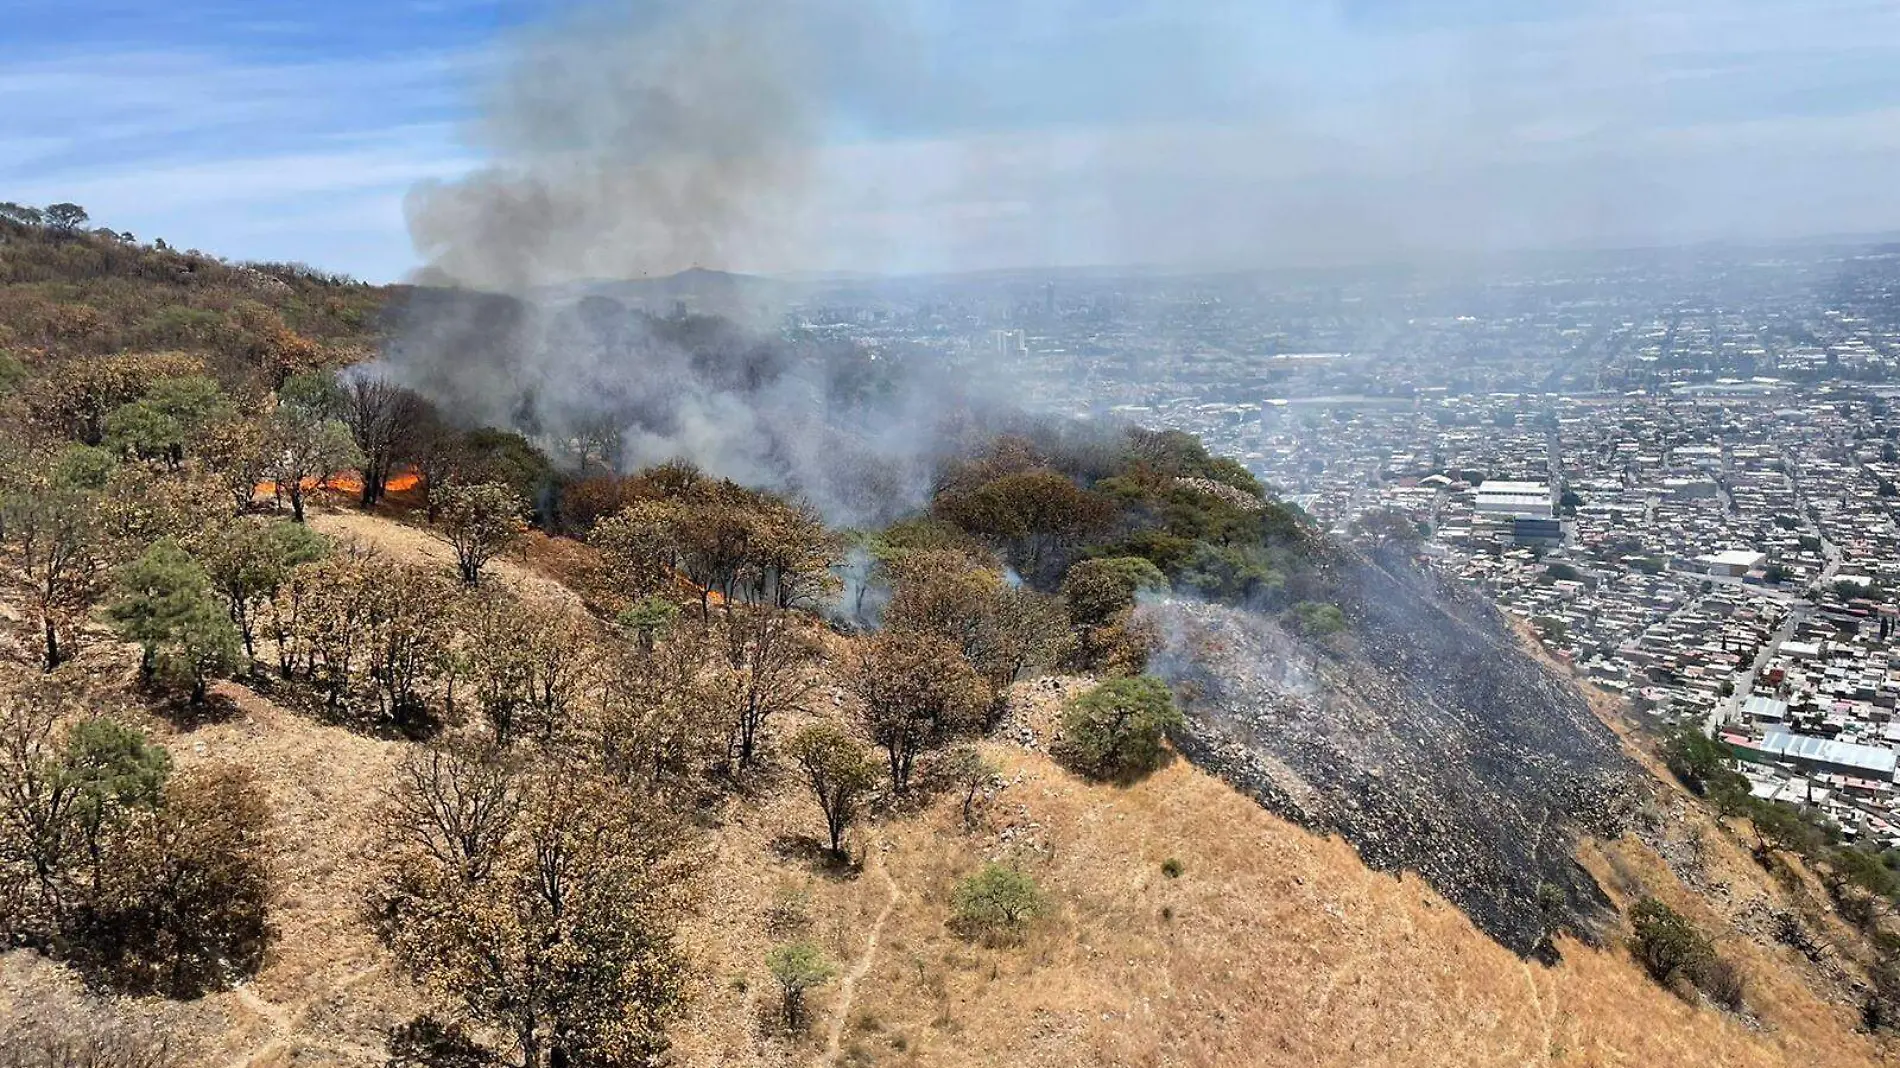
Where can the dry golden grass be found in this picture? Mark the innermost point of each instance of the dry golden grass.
(516, 572)
(1274, 946)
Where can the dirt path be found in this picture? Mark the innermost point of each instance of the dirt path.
(1537, 1003)
(849, 988)
(281, 1019)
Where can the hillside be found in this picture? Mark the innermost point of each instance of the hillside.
(346, 723)
(1273, 945)
(68, 291)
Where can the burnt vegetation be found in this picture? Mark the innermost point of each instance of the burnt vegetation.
(173, 428)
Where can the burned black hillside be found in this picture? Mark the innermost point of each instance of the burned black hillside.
(1422, 734)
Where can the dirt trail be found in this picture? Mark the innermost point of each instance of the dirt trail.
(1543, 1017)
(284, 1037)
(849, 988)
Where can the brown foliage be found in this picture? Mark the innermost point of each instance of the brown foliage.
(540, 904)
(916, 692)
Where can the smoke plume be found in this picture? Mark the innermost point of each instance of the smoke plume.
(629, 143)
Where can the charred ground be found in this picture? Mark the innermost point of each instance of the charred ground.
(1421, 734)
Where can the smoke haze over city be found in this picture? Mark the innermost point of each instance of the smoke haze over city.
(920, 137)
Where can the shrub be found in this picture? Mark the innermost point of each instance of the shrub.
(1680, 957)
(998, 900)
(184, 911)
(1316, 619)
(1171, 868)
(798, 966)
(1667, 944)
(1115, 731)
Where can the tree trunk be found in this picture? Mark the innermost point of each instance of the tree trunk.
(52, 644)
(296, 503)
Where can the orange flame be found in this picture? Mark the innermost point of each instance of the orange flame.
(694, 589)
(347, 482)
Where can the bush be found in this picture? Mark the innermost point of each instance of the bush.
(798, 966)
(1316, 619)
(1667, 944)
(997, 900)
(1171, 868)
(1680, 957)
(1115, 731)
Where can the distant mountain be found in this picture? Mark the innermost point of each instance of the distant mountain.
(700, 290)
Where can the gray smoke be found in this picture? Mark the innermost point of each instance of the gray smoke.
(630, 142)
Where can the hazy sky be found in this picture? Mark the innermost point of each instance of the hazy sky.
(951, 134)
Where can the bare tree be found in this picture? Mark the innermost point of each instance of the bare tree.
(382, 417)
(769, 670)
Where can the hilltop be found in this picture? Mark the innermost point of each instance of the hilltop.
(338, 731)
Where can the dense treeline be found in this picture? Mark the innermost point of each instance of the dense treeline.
(1050, 496)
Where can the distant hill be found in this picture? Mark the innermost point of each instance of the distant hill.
(66, 291)
(745, 298)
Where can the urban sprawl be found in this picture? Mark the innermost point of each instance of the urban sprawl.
(1678, 470)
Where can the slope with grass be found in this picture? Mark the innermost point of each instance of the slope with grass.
(1268, 943)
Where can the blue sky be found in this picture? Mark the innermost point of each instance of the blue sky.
(988, 133)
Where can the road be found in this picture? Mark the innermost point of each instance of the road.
(1729, 708)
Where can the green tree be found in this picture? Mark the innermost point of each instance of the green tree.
(248, 559)
(840, 772)
(478, 521)
(66, 217)
(650, 619)
(1096, 591)
(797, 967)
(1702, 764)
(1117, 730)
(305, 441)
(997, 900)
(112, 770)
(140, 430)
(167, 606)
